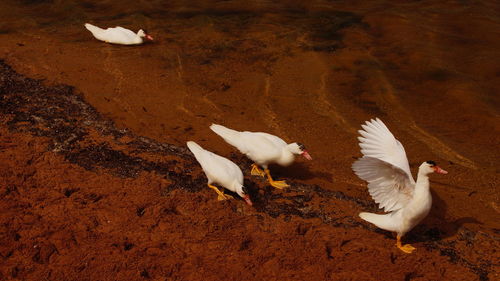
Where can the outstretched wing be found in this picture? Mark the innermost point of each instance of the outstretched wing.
(388, 185)
(384, 166)
(377, 141)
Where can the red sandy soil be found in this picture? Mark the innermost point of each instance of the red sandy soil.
(95, 182)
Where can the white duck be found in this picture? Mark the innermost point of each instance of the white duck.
(118, 35)
(221, 171)
(263, 149)
(385, 167)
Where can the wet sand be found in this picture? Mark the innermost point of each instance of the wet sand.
(97, 185)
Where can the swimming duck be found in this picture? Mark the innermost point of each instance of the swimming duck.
(263, 149)
(220, 170)
(385, 167)
(118, 35)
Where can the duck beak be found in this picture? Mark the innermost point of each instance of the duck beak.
(438, 170)
(306, 155)
(247, 200)
(149, 37)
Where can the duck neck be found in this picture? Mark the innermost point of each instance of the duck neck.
(238, 188)
(286, 157)
(422, 184)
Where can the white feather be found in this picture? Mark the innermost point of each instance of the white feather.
(378, 142)
(384, 166)
(382, 221)
(115, 35)
(218, 169)
(262, 148)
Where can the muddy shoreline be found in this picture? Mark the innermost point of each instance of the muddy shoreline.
(71, 132)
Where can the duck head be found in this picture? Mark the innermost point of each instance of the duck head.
(429, 167)
(141, 33)
(299, 149)
(243, 193)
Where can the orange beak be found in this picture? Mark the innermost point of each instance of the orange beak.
(149, 37)
(306, 155)
(247, 200)
(438, 170)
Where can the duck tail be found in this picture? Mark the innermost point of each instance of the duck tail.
(229, 135)
(381, 221)
(93, 28)
(196, 149)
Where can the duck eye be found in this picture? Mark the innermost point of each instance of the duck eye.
(430, 162)
(301, 146)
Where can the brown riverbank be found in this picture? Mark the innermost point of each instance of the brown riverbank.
(84, 199)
